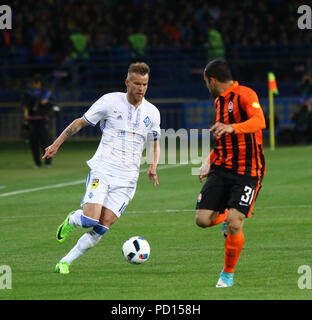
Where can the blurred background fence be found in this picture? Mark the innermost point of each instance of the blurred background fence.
(176, 84)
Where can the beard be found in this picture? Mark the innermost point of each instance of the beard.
(214, 92)
(134, 98)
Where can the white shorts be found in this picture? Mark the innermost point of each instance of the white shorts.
(98, 190)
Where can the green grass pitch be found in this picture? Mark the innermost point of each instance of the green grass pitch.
(185, 260)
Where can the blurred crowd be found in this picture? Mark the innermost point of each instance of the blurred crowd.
(302, 118)
(53, 30)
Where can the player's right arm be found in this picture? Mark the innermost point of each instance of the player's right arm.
(72, 129)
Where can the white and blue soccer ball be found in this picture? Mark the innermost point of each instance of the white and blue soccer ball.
(136, 250)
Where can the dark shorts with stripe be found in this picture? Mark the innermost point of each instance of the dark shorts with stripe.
(224, 190)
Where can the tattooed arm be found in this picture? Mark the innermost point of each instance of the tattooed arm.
(73, 128)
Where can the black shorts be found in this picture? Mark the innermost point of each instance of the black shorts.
(224, 190)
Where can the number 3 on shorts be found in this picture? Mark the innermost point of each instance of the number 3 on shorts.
(247, 197)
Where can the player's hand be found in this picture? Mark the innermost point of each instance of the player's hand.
(50, 152)
(203, 171)
(220, 128)
(152, 175)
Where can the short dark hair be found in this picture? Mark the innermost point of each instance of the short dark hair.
(219, 70)
(37, 78)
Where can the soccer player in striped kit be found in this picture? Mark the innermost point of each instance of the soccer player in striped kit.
(236, 165)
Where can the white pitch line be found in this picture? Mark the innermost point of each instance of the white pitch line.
(288, 207)
(166, 211)
(71, 183)
(190, 210)
(59, 185)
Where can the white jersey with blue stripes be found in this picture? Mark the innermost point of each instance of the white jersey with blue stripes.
(125, 129)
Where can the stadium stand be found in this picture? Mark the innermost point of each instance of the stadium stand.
(254, 36)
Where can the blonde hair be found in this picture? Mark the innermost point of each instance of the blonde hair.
(139, 67)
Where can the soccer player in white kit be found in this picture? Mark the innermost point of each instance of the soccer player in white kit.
(127, 121)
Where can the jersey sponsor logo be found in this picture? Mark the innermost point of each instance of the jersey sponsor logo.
(230, 106)
(121, 134)
(255, 105)
(199, 198)
(147, 121)
(131, 133)
(94, 183)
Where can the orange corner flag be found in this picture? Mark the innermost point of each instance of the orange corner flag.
(272, 90)
(272, 83)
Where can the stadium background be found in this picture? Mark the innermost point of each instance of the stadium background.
(258, 37)
(176, 38)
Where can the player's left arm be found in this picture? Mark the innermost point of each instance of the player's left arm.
(152, 170)
(255, 117)
(154, 135)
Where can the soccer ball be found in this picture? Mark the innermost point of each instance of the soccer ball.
(136, 250)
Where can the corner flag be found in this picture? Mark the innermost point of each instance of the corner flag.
(272, 90)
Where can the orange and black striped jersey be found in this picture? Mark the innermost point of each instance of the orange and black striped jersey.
(242, 150)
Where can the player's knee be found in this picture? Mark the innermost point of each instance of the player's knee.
(233, 229)
(202, 220)
(108, 217)
(234, 226)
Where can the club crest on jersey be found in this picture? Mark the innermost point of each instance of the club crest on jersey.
(230, 106)
(94, 183)
(256, 105)
(147, 121)
(199, 198)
